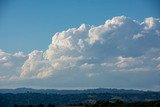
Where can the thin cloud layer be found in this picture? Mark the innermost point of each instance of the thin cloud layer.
(121, 53)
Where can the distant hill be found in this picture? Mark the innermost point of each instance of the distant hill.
(54, 91)
(27, 96)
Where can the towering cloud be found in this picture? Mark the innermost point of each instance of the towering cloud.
(119, 53)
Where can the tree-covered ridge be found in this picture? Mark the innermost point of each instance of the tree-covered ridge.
(29, 98)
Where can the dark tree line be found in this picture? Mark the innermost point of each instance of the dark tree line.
(118, 103)
(85, 99)
(38, 105)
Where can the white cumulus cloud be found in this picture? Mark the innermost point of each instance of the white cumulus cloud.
(94, 55)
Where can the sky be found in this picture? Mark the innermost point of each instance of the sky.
(80, 44)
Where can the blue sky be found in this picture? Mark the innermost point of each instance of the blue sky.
(80, 44)
(26, 25)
